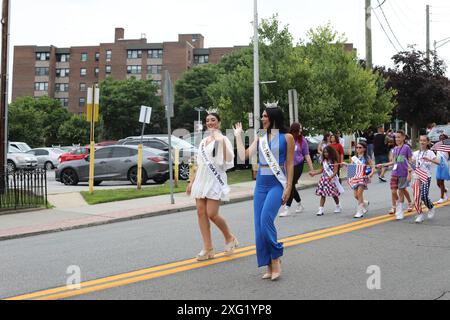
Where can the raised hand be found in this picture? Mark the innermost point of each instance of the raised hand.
(237, 129)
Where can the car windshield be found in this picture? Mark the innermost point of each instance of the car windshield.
(12, 149)
(23, 146)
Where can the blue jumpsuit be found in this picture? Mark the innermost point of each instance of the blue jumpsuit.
(267, 202)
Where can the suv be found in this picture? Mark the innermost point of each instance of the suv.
(161, 142)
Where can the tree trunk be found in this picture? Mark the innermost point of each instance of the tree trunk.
(414, 135)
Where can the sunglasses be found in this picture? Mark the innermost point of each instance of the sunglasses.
(359, 147)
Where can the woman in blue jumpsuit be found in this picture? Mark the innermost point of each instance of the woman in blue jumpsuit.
(269, 193)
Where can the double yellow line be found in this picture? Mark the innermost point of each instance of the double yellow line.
(192, 264)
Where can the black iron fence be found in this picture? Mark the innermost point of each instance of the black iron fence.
(23, 189)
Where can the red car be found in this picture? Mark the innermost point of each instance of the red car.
(78, 153)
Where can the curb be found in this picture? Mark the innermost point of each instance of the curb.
(136, 217)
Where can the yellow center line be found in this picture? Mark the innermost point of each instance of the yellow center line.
(191, 264)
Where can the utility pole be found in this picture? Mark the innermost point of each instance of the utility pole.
(428, 32)
(368, 28)
(4, 87)
(256, 107)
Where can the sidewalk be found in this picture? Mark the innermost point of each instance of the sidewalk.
(71, 213)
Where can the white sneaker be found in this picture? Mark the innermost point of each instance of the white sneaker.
(320, 212)
(299, 208)
(420, 218)
(399, 212)
(338, 209)
(443, 200)
(366, 206)
(285, 212)
(431, 213)
(360, 213)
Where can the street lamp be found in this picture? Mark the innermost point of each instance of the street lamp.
(199, 123)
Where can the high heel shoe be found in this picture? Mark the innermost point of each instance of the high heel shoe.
(206, 255)
(230, 247)
(268, 274)
(276, 275)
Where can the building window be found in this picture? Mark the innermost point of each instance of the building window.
(62, 73)
(97, 56)
(83, 72)
(134, 54)
(41, 86)
(84, 57)
(201, 59)
(62, 57)
(83, 87)
(155, 54)
(42, 56)
(154, 69)
(62, 87)
(41, 72)
(96, 71)
(108, 69)
(108, 55)
(157, 83)
(134, 69)
(82, 102)
(64, 101)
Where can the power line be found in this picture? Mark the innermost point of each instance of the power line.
(384, 30)
(389, 25)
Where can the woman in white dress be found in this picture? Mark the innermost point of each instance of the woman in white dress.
(209, 186)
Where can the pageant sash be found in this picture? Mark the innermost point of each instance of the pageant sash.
(213, 169)
(330, 172)
(272, 161)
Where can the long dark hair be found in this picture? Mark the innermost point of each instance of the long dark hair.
(366, 153)
(276, 119)
(296, 132)
(332, 154)
(216, 144)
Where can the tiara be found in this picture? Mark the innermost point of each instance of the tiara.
(212, 110)
(271, 105)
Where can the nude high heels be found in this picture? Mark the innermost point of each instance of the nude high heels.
(206, 255)
(276, 275)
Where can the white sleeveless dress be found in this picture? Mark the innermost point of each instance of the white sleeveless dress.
(205, 185)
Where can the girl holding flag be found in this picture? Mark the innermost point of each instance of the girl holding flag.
(273, 184)
(209, 186)
(422, 161)
(442, 172)
(360, 171)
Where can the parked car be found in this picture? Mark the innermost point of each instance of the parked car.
(77, 153)
(187, 150)
(48, 158)
(116, 163)
(17, 160)
(437, 131)
(22, 146)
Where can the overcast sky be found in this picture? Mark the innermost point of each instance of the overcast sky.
(223, 22)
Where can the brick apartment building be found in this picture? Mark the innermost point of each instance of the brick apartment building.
(65, 73)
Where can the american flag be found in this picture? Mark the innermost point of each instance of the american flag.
(417, 198)
(443, 146)
(421, 174)
(355, 174)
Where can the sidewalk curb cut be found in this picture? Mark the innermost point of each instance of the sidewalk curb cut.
(136, 217)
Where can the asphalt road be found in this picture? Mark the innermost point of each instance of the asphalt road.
(413, 260)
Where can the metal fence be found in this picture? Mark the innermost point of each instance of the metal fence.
(23, 189)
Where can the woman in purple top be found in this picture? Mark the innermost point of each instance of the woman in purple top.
(300, 155)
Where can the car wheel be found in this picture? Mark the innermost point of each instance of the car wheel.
(132, 176)
(97, 183)
(48, 165)
(183, 171)
(69, 177)
(11, 166)
(159, 180)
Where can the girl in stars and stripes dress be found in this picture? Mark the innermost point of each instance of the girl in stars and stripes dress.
(422, 161)
(329, 185)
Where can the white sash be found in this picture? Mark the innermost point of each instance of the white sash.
(330, 172)
(212, 168)
(272, 161)
(356, 160)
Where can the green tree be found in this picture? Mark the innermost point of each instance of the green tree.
(76, 130)
(423, 90)
(25, 123)
(120, 103)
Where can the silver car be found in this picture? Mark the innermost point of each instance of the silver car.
(47, 157)
(22, 146)
(116, 163)
(18, 160)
